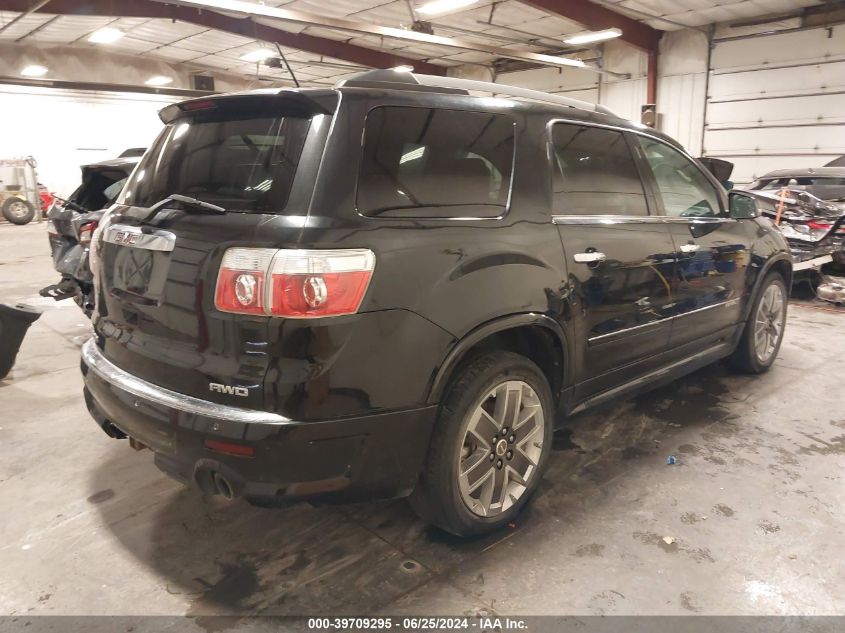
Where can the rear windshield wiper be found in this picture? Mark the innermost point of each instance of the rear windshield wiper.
(190, 203)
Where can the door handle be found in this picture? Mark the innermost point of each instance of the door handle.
(689, 248)
(590, 257)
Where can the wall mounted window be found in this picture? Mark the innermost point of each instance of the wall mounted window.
(595, 172)
(435, 163)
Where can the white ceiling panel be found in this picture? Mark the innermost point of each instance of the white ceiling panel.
(164, 31)
(22, 26)
(702, 12)
(174, 53)
(68, 29)
(129, 44)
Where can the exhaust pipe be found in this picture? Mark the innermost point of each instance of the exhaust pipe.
(223, 486)
(213, 478)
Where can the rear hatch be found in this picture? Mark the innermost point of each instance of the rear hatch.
(228, 171)
(101, 184)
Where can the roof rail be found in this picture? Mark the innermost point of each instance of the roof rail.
(399, 79)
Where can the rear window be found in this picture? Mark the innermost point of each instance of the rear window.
(99, 188)
(825, 188)
(803, 182)
(241, 164)
(431, 163)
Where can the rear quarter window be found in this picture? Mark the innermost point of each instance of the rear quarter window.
(435, 163)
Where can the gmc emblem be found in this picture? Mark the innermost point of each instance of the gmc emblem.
(125, 237)
(228, 389)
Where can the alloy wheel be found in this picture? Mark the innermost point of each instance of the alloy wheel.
(501, 448)
(769, 322)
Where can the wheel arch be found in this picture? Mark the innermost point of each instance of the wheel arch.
(781, 264)
(520, 333)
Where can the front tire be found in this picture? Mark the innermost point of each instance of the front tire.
(758, 348)
(489, 447)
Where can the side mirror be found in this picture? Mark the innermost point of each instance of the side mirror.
(742, 206)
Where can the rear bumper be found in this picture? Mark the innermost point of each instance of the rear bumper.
(368, 457)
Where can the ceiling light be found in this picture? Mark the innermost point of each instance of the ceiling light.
(561, 61)
(34, 71)
(105, 35)
(404, 68)
(442, 6)
(593, 36)
(159, 80)
(258, 55)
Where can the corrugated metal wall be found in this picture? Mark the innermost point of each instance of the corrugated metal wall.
(777, 101)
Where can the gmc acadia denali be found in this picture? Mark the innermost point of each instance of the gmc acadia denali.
(396, 288)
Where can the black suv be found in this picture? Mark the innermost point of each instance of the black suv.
(395, 288)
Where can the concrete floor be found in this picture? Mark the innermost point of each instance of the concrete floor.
(755, 505)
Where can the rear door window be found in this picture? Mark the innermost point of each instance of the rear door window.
(431, 163)
(595, 172)
(241, 164)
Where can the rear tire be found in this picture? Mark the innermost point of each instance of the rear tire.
(761, 339)
(473, 483)
(18, 211)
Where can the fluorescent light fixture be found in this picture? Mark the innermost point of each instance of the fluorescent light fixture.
(593, 36)
(106, 35)
(34, 71)
(159, 80)
(561, 61)
(258, 55)
(442, 6)
(404, 68)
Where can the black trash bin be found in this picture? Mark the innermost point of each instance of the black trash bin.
(14, 322)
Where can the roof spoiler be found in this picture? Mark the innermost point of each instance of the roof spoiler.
(404, 80)
(296, 104)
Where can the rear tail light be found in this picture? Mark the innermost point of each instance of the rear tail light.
(298, 284)
(86, 232)
(824, 226)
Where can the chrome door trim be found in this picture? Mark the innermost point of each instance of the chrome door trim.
(593, 339)
(124, 381)
(636, 219)
(134, 236)
(723, 304)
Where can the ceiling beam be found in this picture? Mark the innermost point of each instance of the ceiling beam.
(237, 26)
(597, 18)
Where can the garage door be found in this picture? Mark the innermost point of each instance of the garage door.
(777, 101)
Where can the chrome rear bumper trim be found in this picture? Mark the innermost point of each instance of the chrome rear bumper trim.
(121, 379)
